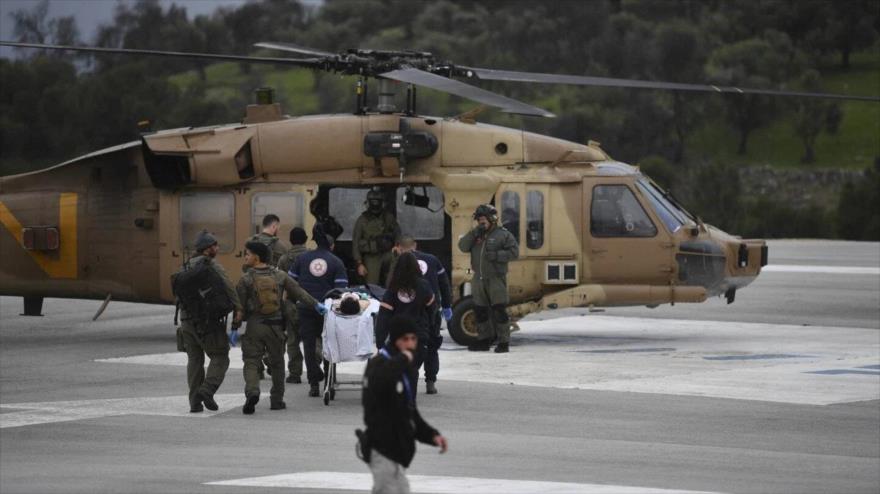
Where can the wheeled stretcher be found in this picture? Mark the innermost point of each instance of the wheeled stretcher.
(347, 338)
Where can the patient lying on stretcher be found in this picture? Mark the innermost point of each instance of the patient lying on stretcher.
(351, 304)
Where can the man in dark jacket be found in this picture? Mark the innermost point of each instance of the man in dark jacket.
(317, 271)
(390, 413)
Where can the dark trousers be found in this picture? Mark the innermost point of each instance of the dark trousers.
(434, 340)
(420, 357)
(311, 325)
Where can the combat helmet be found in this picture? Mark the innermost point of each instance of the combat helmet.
(488, 211)
(375, 200)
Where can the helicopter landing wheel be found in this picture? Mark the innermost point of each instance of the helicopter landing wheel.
(463, 325)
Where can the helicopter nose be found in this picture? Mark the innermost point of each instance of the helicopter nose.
(722, 267)
(745, 260)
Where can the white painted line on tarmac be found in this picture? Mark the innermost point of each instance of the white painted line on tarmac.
(720, 359)
(434, 484)
(799, 268)
(24, 414)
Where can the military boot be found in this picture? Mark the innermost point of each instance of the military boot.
(430, 388)
(208, 400)
(291, 379)
(313, 391)
(502, 348)
(479, 346)
(195, 405)
(250, 404)
(278, 405)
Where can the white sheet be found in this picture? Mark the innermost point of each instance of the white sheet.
(348, 338)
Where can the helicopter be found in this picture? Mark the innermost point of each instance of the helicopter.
(593, 231)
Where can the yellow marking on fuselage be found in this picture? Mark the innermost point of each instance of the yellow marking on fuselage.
(64, 266)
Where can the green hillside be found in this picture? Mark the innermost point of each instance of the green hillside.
(854, 146)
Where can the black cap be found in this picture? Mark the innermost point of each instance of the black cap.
(204, 240)
(399, 326)
(298, 236)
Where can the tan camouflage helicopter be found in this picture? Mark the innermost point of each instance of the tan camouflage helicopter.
(592, 231)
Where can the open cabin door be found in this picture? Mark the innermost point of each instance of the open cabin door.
(624, 243)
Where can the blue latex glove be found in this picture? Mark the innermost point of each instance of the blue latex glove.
(320, 308)
(447, 313)
(233, 337)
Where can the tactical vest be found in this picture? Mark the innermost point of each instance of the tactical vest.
(267, 291)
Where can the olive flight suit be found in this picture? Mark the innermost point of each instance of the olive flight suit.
(291, 317)
(265, 332)
(371, 242)
(214, 344)
(490, 252)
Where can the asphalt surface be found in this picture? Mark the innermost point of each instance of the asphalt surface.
(72, 421)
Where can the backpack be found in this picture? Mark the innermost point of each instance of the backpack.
(201, 292)
(268, 296)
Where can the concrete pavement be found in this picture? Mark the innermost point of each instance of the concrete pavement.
(775, 393)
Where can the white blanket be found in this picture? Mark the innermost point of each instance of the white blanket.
(348, 338)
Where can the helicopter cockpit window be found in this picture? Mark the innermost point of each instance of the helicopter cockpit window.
(510, 212)
(534, 219)
(670, 216)
(615, 212)
(423, 222)
(212, 211)
(288, 206)
(346, 205)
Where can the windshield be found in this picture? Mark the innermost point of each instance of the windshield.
(673, 216)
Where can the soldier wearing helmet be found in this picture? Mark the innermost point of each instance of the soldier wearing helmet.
(491, 247)
(373, 237)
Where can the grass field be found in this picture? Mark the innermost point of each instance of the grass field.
(855, 145)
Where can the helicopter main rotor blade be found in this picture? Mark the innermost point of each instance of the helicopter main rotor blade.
(309, 63)
(440, 83)
(514, 76)
(290, 47)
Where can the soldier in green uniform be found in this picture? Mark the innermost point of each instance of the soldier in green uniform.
(268, 237)
(212, 343)
(260, 291)
(375, 232)
(491, 247)
(298, 240)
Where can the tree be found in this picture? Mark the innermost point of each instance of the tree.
(679, 57)
(813, 115)
(767, 62)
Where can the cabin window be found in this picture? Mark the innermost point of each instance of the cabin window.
(212, 211)
(534, 219)
(510, 212)
(422, 223)
(288, 206)
(346, 205)
(615, 212)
